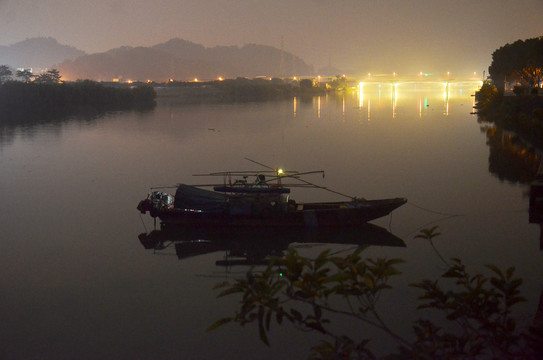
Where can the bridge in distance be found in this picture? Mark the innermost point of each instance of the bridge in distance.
(401, 79)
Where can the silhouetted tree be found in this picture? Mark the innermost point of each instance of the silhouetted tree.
(25, 74)
(485, 94)
(50, 77)
(340, 82)
(521, 60)
(5, 73)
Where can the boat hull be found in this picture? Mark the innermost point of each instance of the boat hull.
(315, 215)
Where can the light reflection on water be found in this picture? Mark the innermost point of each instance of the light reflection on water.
(398, 96)
(78, 281)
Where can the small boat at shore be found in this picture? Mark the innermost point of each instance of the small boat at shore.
(260, 203)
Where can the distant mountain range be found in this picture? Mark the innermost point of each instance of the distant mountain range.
(37, 53)
(175, 59)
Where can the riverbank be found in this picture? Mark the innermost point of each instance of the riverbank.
(27, 101)
(522, 114)
(236, 90)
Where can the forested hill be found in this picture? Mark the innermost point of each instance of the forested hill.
(37, 53)
(183, 60)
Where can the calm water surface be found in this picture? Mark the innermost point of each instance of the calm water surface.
(77, 283)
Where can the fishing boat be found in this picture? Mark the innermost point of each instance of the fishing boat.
(262, 202)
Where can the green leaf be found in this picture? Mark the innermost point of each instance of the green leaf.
(369, 281)
(510, 272)
(452, 273)
(279, 317)
(230, 291)
(338, 277)
(428, 234)
(316, 326)
(262, 333)
(296, 314)
(261, 328)
(395, 261)
(318, 311)
(495, 269)
(219, 322)
(268, 319)
(220, 285)
(322, 259)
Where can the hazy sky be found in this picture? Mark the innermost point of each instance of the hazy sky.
(353, 35)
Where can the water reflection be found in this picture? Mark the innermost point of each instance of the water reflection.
(511, 158)
(536, 204)
(252, 246)
(30, 124)
(516, 161)
(425, 94)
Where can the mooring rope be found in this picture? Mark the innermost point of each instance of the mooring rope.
(143, 222)
(432, 211)
(445, 216)
(428, 224)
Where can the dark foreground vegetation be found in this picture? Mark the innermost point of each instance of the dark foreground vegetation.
(238, 90)
(462, 315)
(42, 100)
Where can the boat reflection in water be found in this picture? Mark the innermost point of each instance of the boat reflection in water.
(254, 246)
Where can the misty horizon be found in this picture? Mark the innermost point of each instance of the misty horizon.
(353, 36)
(328, 70)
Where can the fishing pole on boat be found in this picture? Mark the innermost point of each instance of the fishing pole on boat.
(283, 174)
(258, 163)
(322, 187)
(278, 171)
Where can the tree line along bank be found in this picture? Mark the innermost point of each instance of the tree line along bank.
(517, 67)
(48, 96)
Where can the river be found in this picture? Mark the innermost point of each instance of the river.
(76, 281)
